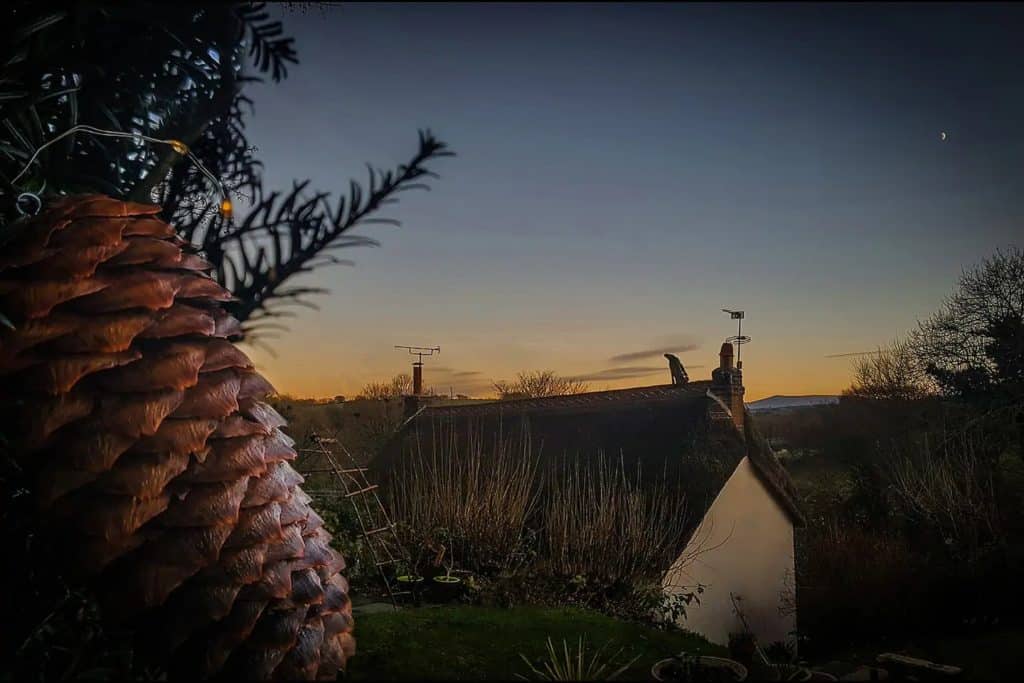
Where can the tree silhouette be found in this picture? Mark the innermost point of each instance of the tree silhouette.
(398, 386)
(894, 372)
(974, 345)
(539, 383)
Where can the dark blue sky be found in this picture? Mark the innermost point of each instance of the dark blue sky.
(625, 171)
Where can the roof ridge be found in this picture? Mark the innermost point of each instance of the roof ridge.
(696, 388)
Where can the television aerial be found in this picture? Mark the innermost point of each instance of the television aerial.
(739, 339)
(417, 366)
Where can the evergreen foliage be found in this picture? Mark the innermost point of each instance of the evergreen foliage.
(177, 71)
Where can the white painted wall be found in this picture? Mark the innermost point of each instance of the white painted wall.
(748, 539)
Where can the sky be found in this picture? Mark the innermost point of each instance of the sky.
(624, 172)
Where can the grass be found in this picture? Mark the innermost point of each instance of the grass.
(480, 643)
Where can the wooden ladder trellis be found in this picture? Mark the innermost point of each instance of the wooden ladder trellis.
(374, 522)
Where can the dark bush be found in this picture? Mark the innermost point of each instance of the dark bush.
(854, 585)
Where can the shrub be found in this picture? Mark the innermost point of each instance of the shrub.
(856, 584)
(586, 534)
(483, 497)
(340, 520)
(602, 523)
(947, 488)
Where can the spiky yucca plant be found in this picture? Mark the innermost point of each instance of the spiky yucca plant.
(568, 666)
(156, 462)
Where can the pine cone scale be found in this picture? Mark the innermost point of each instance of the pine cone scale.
(155, 456)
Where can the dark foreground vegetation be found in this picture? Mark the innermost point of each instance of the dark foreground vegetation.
(913, 533)
(516, 535)
(914, 482)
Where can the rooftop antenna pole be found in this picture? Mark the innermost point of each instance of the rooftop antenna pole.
(417, 366)
(740, 339)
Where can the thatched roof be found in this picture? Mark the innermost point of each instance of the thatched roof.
(676, 430)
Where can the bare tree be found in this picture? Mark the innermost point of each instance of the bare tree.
(894, 372)
(399, 385)
(539, 383)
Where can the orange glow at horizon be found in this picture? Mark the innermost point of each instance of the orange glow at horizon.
(781, 374)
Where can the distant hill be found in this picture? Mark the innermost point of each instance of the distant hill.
(787, 402)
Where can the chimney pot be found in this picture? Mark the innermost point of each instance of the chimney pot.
(725, 356)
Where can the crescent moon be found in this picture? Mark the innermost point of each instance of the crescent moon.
(942, 136)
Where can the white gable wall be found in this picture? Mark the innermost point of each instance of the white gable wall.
(747, 539)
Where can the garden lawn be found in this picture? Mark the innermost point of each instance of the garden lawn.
(473, 643)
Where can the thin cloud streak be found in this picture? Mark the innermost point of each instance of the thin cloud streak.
(853, 353)
(629, 372)
(452, 372)
(652, 353)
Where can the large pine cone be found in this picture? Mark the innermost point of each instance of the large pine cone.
(153, 452)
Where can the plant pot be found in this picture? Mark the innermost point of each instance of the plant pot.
(712, 670)
(409, 580)
(792, 672)
(412, 583)
(446, 588)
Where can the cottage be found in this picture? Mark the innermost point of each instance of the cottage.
(741, 500)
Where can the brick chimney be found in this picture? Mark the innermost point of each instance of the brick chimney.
(417, 379)
(727, 384)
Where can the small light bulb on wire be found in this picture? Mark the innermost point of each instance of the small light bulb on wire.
(178, 146)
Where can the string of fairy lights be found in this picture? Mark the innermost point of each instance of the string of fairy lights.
(178, 146)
